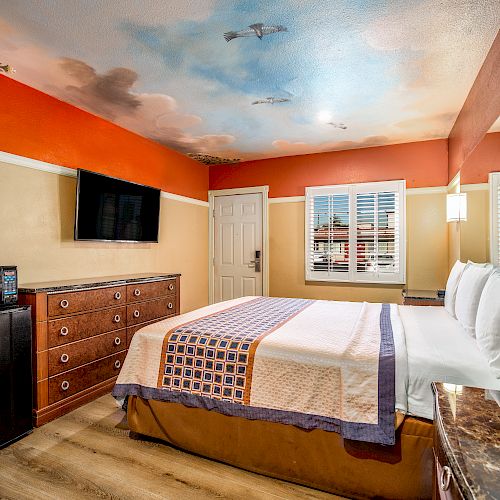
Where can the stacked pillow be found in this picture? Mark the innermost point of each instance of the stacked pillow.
(451, 287)
(488, 322)
(470, 288)
(473, 298)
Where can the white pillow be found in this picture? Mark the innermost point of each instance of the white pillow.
(451, 287)
(469, 291)
(488, 322)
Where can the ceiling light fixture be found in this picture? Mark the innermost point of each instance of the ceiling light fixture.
(324, 116)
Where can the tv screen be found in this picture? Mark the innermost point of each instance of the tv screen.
(109, 209)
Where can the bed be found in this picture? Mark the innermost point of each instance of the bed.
(337, 394)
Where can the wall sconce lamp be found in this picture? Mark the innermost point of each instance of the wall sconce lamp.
(456, 207)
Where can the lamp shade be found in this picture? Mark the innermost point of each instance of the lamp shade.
(456, 207)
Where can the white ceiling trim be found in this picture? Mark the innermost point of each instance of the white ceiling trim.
(23, 161)
(484, 186)
(287, 199)
(185, 199)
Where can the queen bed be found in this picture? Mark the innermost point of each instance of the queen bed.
(333, 395)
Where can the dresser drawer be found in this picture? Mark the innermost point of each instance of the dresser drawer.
(131, 330)
(79, 353)
(446, 486)
(152, 309)
(145, 291)
(76, 380)
(60, 304)
(64, 330)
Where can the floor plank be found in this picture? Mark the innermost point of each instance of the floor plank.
(88, 454)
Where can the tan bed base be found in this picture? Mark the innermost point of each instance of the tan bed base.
(317, 458)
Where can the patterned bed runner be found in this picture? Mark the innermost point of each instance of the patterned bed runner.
(213, 356)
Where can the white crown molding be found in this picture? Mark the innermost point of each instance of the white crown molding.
(287, 199)
(22, 161)
(454, 182)
(185, 199)
(474, 187)
(427, 190)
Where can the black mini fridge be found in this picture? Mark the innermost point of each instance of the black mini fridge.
(16, 380)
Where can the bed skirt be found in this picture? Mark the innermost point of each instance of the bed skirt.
(317, 458)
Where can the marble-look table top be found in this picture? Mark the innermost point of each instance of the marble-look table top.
(469, 426)
(84, 283)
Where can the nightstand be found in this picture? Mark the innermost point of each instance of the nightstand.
(466, 443)
(422, 298)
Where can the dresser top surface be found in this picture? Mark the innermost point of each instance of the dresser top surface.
(469, 426)
(83, 283)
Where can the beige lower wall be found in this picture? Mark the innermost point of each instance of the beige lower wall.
(470, 239)
(37, 218)
(475, 231)
(427, 253)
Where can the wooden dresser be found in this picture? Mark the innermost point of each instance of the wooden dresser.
(81, 332)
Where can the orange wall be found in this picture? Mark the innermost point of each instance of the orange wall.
(483, 160)
(479, 112)
(422, 164)
(38, 126)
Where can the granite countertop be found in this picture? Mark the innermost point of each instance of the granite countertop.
(469, 426)
(83, 283)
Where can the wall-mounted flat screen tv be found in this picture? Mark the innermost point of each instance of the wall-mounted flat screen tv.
(109, 209)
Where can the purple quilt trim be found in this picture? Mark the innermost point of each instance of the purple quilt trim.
(383, 432)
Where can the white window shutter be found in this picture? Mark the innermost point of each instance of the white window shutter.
(356, 233)
(327, 233)
(380, 232)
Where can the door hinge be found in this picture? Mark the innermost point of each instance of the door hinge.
(213, 213)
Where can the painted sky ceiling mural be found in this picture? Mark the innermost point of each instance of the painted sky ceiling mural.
(226, 80)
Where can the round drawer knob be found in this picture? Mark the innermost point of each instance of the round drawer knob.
(64, 303)
(64, 358)
(171, 286)
(65, 385)
(117, 363)
(117, 318)
(137, 292)
(118, 295)
(136, 313)
(170, 305)
(445, 478)
(64, 331)
(118, 341)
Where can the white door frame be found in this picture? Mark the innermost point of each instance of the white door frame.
(264, 190)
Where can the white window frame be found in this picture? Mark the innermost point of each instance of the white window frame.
(494, 182)
(352, 276)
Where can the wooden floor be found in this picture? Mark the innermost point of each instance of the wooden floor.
(88, 454)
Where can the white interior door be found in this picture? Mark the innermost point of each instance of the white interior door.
(237, 246)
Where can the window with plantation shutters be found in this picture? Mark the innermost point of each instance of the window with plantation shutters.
(495, 217)
(356, 233)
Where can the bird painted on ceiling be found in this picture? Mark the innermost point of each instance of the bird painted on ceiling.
(258, 30)
(271, 100)
(7, 68)
(338, 125)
